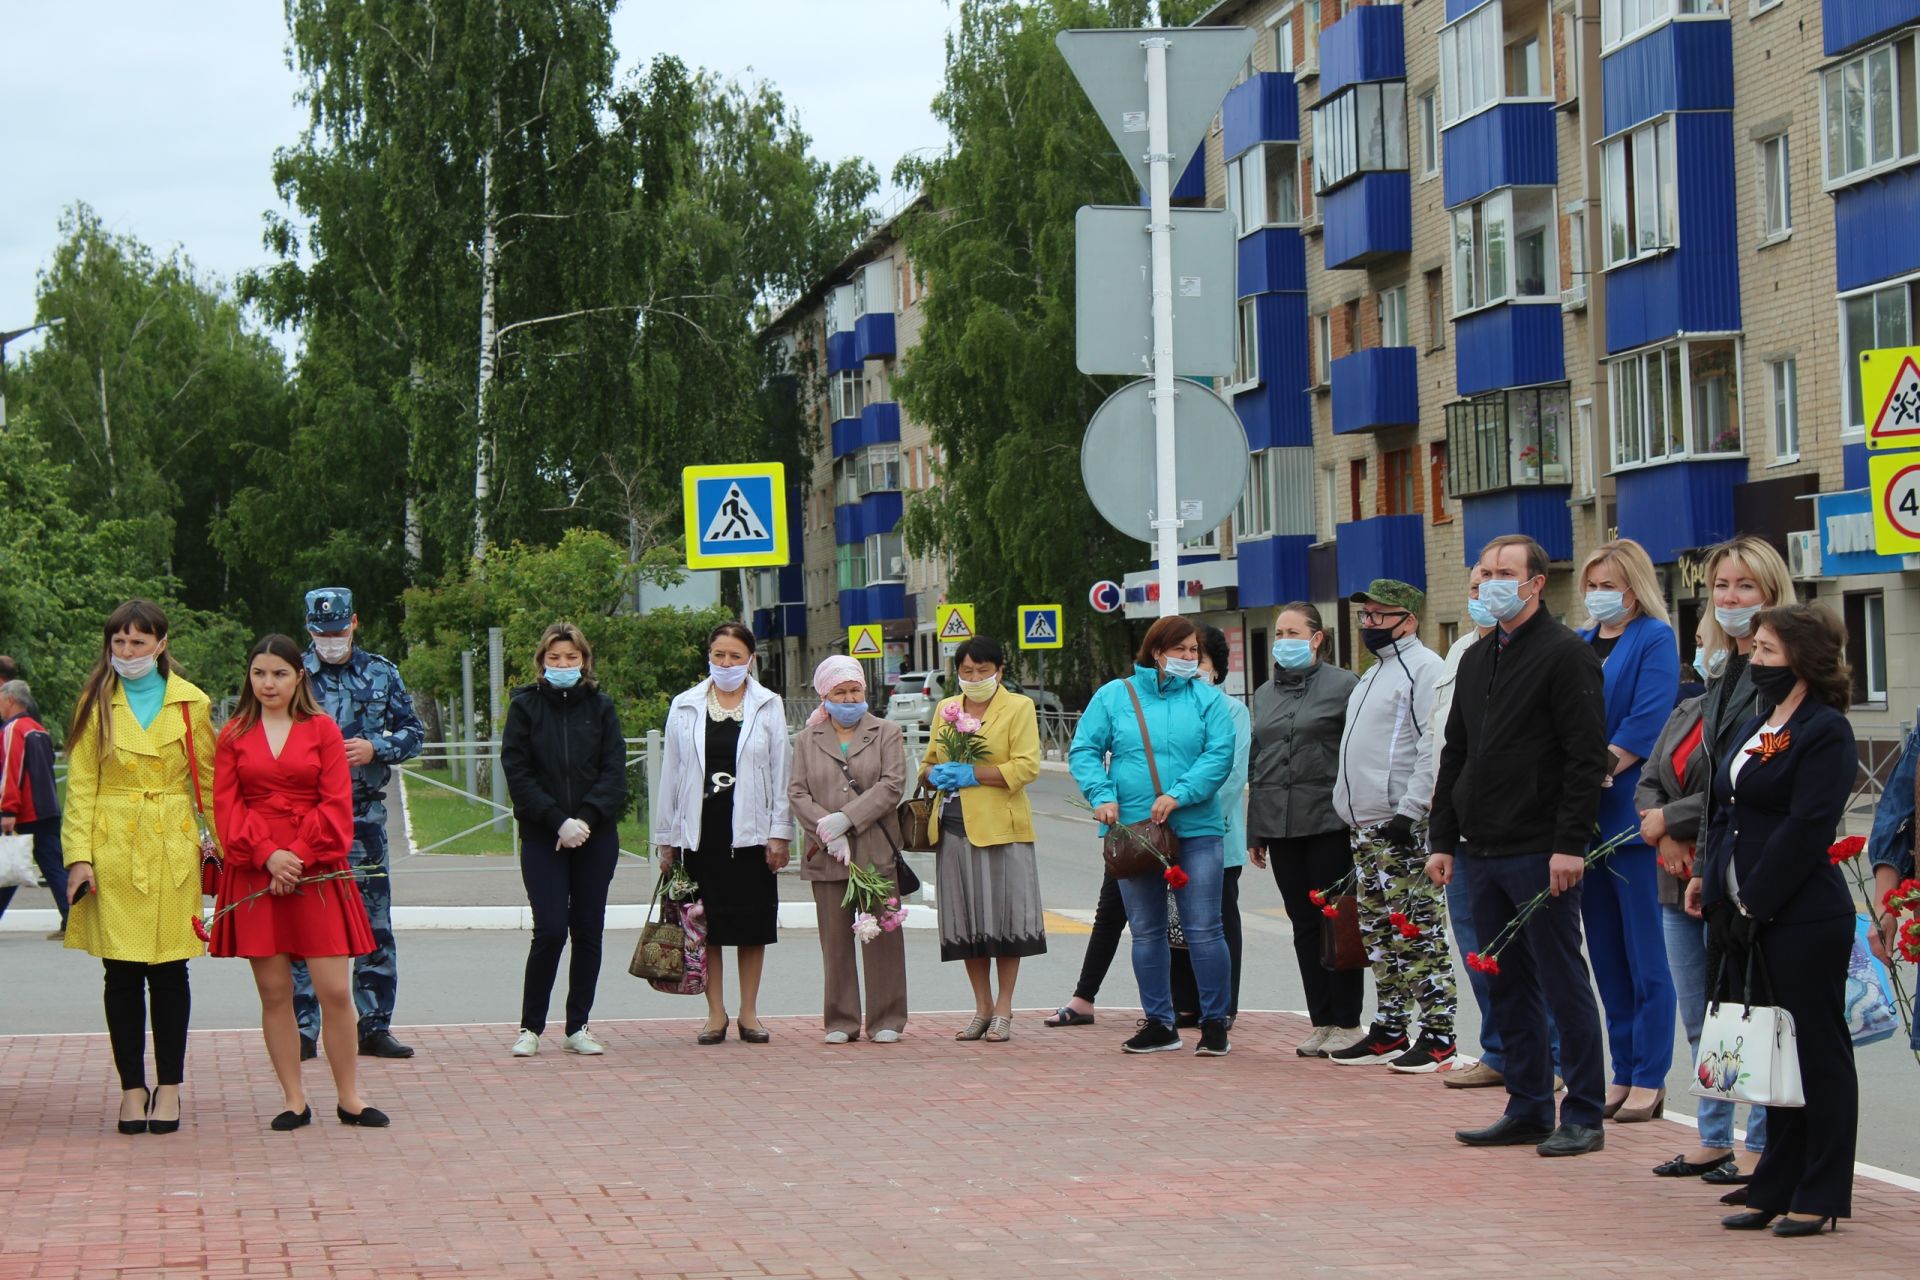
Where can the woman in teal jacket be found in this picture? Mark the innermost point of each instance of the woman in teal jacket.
(1193, 750)
(1232, 799)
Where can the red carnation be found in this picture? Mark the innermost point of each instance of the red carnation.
(1398, 919)
(1409, 930)
(1176, 878)
(1910, 941)
(1841, 850)
(1330, 911)
(200, 930)
(1316, 897)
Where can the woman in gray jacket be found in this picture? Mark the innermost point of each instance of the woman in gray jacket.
(1298, 717)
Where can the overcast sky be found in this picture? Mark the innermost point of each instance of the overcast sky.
(164, 117)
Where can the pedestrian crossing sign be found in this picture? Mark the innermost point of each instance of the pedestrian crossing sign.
(1890, 396)
(864, 641)
(1040, 627)
(736, 516)
(953, 623)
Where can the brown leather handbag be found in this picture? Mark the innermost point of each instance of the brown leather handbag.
(1140, 848)
(917, 833)
(1341, 946)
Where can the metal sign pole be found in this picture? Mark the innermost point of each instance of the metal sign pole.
(496, 719)
(1166, 515)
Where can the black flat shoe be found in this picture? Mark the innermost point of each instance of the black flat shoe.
(131, 1127)
(1804, 1226)
(1736, 1196)
(1574, 1140)
(1753, 1220)
(381, 1044)
(161, 1126)
(1681, 1167)
(714, 1036)
(755, 1035)
(1727, 1175)
(1505, 1132)
(288, 1121)
(365, 1118)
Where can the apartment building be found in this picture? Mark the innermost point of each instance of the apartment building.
(841, 343)
(1573, 268)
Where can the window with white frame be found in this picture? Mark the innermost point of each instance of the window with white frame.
(846, 480)
(1263, 187)
(850, 567)
(880, 469)
(1361, 129)
(1586, 469)
(1571, 45)
(1246, 344)
(1865, 613)
(1776, 188)
(1783, 408)
(1329, 502)
(1311, 62)
(1622, 20)
(1870, 320)
(1429, 134)
(1393, 317)
(1526, 76)
(1253, 518)
(848, 392)
(1283, 38)
(1676, 401)
(1322, 348)
(1640, 182)
(1867, 112)
(1470, 64)
(886, 556)
(1503, 249)
(1575, 288)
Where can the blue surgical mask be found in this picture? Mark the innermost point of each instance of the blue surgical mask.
(1291, 654)
(1182, 668)
(1736, 622)
(1478, 611)
(1607, 607)
(563, 677)
(846, 714)
(1501, 596)
(1708, 665)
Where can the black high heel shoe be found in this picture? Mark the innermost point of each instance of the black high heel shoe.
(288, 1121)
(161, 1126)
(1755, 1220)
(716, 1036)
(1805, 1226)
(365, 1118)
(140, 1125)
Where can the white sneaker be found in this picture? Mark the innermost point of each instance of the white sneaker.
(1339, 1038)
(885, 1037)
(1314, 1046)
(526, 1044)
(837, 1037)
(582, 1042)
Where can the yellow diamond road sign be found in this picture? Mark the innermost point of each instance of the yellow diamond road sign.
(864, 641)
(953, 623)
(1040, 627)
(1896, 502)
(1890, 395)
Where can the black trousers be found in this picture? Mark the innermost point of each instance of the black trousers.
(131, 988)
(567, 889)
(1302, 864)
(1109, 922)
(1186, 992)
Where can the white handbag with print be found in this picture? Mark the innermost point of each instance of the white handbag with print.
(1748, 1052)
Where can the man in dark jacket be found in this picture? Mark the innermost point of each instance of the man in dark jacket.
(1519, 784)
(29, 797)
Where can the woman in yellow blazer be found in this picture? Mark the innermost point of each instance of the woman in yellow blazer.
(989, 882)
(132, 841)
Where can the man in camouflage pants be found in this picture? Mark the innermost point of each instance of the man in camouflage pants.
(364, 694)
(1383, 789)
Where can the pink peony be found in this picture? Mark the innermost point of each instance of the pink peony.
(966, 723)
(865, 927)
(893, 902)
(951, 712)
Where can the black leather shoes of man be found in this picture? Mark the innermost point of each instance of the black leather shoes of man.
(1574, 1140)
(381, 1044)
(1507, 1131)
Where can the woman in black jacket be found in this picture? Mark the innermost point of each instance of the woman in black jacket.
(1765, 883)
(566, 765)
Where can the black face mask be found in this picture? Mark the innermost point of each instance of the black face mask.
(1773, 684)
(1376, 638)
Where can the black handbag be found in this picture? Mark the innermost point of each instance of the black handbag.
(904, 878)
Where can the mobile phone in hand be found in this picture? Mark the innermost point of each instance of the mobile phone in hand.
(81, 893)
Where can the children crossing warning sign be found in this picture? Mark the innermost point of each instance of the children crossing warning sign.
(1040, 627)
(864, 641)
(1890, 395)
(953, 623)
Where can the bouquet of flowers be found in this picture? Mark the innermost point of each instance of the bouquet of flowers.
(958, 736)
(1174, 876)
(1488, 961)
(203, 925)
(876, 908)
(1901, 899)
(680, 886)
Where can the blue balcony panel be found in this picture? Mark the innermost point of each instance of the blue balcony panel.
(1873, 224)
(1368, 44)
(1511, 144)
(873, 335)
(842, 352)
(1678, 506)
(1682, 66)
(882, 602)
(1367, 220)
(1853, 466)
(1458, 9)
(1280, 410)
(876, 513)
(1539, 511)
(1273, 571)
(1514, 345)
(1265, 107)
(880, 423)
(845, 433)
(1694, 288)
(1383, 547)
(1272, 261)
(780, 622)
(1846, 23)
(1374, 388)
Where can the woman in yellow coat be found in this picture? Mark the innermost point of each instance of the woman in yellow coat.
(132, 841)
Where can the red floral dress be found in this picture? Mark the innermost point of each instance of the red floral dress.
(302, 802)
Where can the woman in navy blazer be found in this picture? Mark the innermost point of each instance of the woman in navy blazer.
(1620, 905)
(1765, 883)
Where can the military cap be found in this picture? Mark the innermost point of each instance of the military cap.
(1394, 594)
(329, 609)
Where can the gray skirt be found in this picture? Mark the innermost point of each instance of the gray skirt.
(988, 899)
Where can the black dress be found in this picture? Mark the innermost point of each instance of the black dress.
(737, 887)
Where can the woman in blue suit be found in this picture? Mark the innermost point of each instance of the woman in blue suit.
(1766, 884)
(1620, 903)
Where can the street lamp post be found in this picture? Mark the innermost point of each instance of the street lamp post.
(6, 336)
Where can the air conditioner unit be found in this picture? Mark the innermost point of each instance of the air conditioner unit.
(1803, 554)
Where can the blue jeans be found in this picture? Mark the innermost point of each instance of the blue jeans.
(376, 979)
(1203, 859)
(1466, 937)
(1687, 961)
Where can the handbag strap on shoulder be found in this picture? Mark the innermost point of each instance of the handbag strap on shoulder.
(1146, 740)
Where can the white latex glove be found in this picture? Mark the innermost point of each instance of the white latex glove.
(573, 833)
(839, 850)
(832, 827)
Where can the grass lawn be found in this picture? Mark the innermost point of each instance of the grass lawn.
(436, 813)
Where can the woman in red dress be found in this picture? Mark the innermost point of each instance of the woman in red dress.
(283, 804)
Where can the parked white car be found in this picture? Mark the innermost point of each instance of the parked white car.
(915, 695)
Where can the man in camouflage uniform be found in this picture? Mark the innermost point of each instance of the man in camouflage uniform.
(364, 694)
(1382, 792)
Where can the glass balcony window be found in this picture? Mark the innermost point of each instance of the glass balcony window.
(1496, 53)
(1362, 129)
(1623, 20)
(1870, 320)
(1677, 401)
(1868, 112)
(1263, 187)
(1505, 250)
(846, 480)
(886, 558)
(847, 392)
(1506, 439)
(879, 469)
(1640, 193)
(850, 567)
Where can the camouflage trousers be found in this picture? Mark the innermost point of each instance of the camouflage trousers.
(376, 977)
(1408, 971)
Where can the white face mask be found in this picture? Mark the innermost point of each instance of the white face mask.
(333, 650)
(980, 690)
(727, 679)
(134, 668)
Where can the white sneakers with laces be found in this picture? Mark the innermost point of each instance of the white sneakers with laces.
(526, 1044)
(582, 1042)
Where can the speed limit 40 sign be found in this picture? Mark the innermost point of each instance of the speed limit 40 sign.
(1896, 502)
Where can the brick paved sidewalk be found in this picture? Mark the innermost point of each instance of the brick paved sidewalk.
(1053, 1155)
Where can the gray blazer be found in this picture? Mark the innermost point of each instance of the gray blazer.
(1684, 803)
(1298, 717)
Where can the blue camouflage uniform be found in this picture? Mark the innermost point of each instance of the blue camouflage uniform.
(367, 699)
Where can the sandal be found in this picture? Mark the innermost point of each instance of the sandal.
(1068, 1016)
(999, 1030)
(973, 1030)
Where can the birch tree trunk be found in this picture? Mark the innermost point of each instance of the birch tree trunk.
(489, 280)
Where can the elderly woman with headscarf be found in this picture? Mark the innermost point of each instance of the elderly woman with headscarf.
(849, 767)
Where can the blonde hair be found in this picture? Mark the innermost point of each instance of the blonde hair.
(572, 635)
(1767, 569)
(1630, 560)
